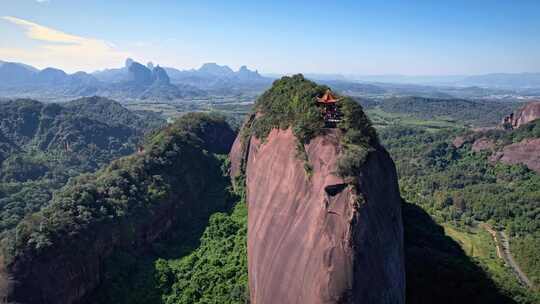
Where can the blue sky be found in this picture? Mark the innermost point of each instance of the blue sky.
(351, 37)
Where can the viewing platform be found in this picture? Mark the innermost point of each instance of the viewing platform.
(329, 109)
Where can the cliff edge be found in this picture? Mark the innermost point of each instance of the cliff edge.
(324, 210)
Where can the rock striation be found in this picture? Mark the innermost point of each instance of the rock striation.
(318, 237)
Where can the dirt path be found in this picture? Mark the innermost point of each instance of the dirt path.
(503, 251)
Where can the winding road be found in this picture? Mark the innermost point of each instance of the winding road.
(503, 251)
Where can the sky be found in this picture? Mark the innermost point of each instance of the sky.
(280, 36)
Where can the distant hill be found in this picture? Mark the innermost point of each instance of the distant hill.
(478, 113)
(127, 207)
(492, 80)
(354, 88)
(134, 81)
(218, 79)
(42, 145)
(73, 127)
(210, 78)
(504, 80)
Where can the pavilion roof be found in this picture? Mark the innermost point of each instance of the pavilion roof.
(328, 97)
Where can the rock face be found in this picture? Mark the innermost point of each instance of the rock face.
(139, 74)
(526, 152)
(312, 238)
(526, 114)
(160, 76)
(459, 141)
(483, 144)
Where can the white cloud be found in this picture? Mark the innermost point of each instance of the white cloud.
(60, 49)
(42, 1)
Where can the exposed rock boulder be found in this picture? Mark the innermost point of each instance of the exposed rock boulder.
(526, 152)
(459, 141)
(524, 115)
(318, 238)
(483, 144)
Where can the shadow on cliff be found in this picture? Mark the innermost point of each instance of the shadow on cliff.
(437, 269)
(131, 277)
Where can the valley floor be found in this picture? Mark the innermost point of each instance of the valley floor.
(490, 248)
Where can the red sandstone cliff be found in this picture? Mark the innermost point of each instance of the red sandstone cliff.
(526, 114)
(312, 239)
(526, 152)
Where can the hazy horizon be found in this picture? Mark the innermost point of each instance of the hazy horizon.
(348, 38)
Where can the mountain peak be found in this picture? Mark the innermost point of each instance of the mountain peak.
(129, 62)
(159, 75)
(213, 68)
(139, 74)
(338, 182)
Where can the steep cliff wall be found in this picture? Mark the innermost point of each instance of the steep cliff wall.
(522, 116)
(312, 237)
(528, 113)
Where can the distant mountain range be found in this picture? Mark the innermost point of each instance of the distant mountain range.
(493, 81)
(135, 81)
(132, 81)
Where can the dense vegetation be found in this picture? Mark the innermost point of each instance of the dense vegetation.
(204, 260)
(217, 271)
(191, 266)
(131, 187)
(502, 138)
(461, 187)
(291, 103)
(477, 113)
(43, 145)
(203, 257)
(437, 269)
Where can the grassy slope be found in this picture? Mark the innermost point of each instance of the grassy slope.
(381, 119)
(478, 244)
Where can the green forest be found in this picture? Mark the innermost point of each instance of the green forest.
(462, 188)
(70, 172)
(43, 145)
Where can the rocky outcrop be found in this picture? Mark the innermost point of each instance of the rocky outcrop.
(524, 115)
(314, 237)
(527, 114)
(160, 76)
(526, 152)
(138, 74)
(459, 141)
(483, 144)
